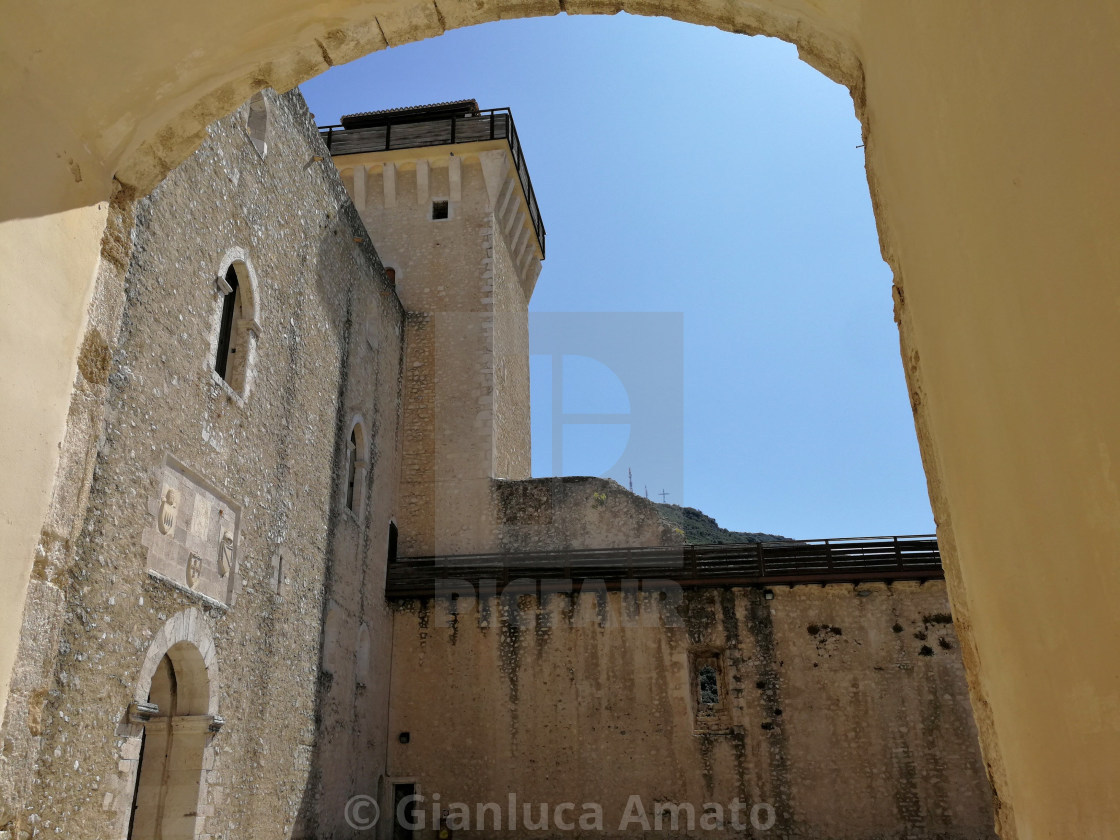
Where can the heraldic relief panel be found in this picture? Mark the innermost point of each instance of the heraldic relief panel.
(193, 537)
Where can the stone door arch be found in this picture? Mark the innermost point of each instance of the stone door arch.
(172, 721)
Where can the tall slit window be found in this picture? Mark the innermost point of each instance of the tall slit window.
(392, 552)
(230, 305)
(352, 467)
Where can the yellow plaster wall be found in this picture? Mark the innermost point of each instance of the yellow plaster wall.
(47, 266)
(995, 164)
(991, 131)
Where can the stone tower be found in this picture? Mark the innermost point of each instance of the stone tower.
(445, 194)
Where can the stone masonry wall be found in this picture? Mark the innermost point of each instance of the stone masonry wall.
(575, 512)
(416, 496)
(303, 708)
(466, 402)
(844, 710)
(512, 445)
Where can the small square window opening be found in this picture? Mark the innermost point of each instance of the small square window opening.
(439, 209)
(709, 686)
(709, 691)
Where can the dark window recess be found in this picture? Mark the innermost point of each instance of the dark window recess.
(392, 553)
(709, 685)
(439, 209)
(225, 335)
(352, 468)
(400, 792)
(391, 276)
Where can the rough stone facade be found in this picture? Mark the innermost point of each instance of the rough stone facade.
(208, 594)
(844, 710)
(270, 461)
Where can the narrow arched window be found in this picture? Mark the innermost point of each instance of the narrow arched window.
(237, 331)
(258, 123)
(392, 553)
(352, 467)
(227, 347)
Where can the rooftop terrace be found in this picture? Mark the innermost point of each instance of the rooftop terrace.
(445, 124)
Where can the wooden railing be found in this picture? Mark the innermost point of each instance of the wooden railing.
(492, 124)
(856, 560)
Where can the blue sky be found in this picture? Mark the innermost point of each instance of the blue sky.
(681, 169)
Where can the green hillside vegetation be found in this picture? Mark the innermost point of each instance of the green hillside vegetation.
(701, 529)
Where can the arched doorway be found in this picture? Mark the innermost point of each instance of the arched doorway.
(174, 719)
(170, 769)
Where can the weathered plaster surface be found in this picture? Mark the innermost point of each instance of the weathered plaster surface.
(844, 709)
(44, 323)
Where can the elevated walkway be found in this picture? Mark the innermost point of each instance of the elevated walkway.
(788, 562)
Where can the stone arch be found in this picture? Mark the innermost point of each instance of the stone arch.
(238, 258)
(823, 40)
(186, 640)
(167, 752)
